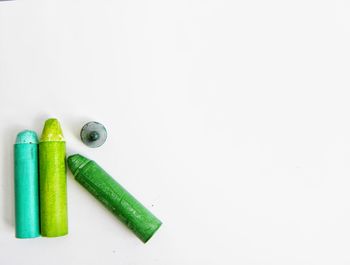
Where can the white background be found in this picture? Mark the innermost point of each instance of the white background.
(230, 120)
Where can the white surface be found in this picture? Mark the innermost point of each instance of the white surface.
(228, 119)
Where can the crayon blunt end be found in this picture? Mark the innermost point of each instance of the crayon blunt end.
(27, 137)
(52, 131)
(75, 162)
(93, 134)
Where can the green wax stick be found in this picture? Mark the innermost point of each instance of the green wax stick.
(121, 203)
(53, 179)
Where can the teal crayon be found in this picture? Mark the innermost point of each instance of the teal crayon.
(26, 185)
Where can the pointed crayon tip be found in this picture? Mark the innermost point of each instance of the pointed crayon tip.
(27, 137)
(52, 131)
(75, 162)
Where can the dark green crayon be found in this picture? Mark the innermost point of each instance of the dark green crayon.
(113, 196)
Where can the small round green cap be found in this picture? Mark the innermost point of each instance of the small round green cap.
(93, 134)
(27, 137)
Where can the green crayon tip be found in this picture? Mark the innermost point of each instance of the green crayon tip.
(27, 137)
(76, 162)
(52, 131)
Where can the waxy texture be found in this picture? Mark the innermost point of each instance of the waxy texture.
(109, 192)
(53, 181)
(26, 185)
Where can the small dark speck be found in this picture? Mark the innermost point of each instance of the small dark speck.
(152, 205)
(113, 251)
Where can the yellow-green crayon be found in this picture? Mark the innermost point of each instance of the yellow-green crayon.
(53, 181)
